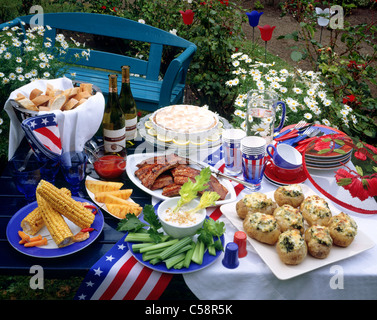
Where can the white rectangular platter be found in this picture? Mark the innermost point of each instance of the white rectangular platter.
(270, 257)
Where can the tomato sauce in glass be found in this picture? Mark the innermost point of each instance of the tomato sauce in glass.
(110, 166)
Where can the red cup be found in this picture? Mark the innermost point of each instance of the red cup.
(287, 174)
(240, 239)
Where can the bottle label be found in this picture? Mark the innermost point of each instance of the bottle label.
(131, 128)
(114, 140)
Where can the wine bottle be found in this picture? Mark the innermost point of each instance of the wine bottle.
(113, 123)
(128, 105)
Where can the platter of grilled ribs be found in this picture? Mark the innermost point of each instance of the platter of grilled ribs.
(162, 175)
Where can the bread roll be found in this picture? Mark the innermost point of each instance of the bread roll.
(71, 104)
(86, 87)
(27, 104)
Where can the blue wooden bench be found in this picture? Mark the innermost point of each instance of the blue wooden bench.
(150, 91)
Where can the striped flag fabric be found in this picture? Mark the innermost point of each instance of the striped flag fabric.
(253, 167)
(43, 135)
(119, 276)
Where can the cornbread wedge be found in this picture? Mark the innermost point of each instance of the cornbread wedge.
(122, 194)
(110, 199)
(101, 186)
(120, 210)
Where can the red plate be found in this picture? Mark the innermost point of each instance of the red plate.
(269, 173)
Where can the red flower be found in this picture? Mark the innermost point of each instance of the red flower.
(360, 155)
(357, 190)
(114, 9)
(372, 148)
(351, 98)
(320, 145)
(103, 7)
(372, 187)
(266, 32)
(187, 16)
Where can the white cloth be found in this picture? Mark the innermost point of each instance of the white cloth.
(76, 126)
(253, 280)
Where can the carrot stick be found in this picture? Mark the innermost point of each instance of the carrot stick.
(36, 243)
(24, 237)
(36, 238)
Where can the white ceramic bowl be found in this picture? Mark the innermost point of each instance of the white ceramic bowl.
(174, 229)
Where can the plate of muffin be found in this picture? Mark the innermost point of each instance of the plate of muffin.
(294, 230)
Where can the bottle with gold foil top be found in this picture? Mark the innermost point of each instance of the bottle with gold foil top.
(128, 105)
(113, 123)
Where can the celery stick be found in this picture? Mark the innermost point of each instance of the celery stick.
(170, 262)
(179, 265)
(212, 250)
(137, 246)
(155, 261)
(159, 245)
(138, 237)
(197, 257)
(189, 253)
(168, 252)
(149, 256)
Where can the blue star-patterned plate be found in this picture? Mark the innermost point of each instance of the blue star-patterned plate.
(51, 250)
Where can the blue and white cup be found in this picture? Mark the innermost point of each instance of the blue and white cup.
(253, 160)
(232, 151)
(285, 156)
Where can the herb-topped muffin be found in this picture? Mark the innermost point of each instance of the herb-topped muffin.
(255, 202)
(319, 241)
(343, 229)
(262, 227)
(289, 218)
(292, 195)
(291, 247)
(315, 210)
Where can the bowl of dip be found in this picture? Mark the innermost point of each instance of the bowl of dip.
(182, 223)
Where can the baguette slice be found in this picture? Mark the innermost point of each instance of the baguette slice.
(35, 93)
(86, 87)
(27, 104)
(71, 104)
(41, 100)
(57, 102)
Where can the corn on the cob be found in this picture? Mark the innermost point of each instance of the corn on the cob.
(55, 223)
(65, 205)
(33, 222)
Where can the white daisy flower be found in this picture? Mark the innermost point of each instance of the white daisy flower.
(353, 117)
(42, 65)
(5, 80)
(344, 112)
(7, 56)
(19, 59)
(297, 90)
(2, 75)
(46, 74)
(326, 122)
(21, 77)
(283, 89)
(12, 76)
(19, 69)
(235, 63)
(308, 116)
(327, 102)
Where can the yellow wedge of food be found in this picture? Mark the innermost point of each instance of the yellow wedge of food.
(101, 186)
(122, 194)
(112, 199)
(121, 210)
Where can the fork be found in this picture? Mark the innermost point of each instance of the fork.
(300, 137)
(298, 125)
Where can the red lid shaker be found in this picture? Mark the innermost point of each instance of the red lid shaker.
(240, 240)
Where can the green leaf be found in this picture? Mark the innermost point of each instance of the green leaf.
(340, 142)
(130, 223)
(326, 139)
(324, 151)
(296, 56)
(344, 181)
(341, 151)
(359, 170)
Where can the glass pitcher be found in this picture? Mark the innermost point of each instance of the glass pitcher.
(261, 114)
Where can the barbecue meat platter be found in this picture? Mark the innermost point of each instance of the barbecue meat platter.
(162, 175)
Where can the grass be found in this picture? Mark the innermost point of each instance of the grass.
(18, 288)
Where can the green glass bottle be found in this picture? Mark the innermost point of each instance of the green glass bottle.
(113, 123)
(128, 104)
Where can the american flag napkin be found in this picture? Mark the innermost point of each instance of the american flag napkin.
(43, 135)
